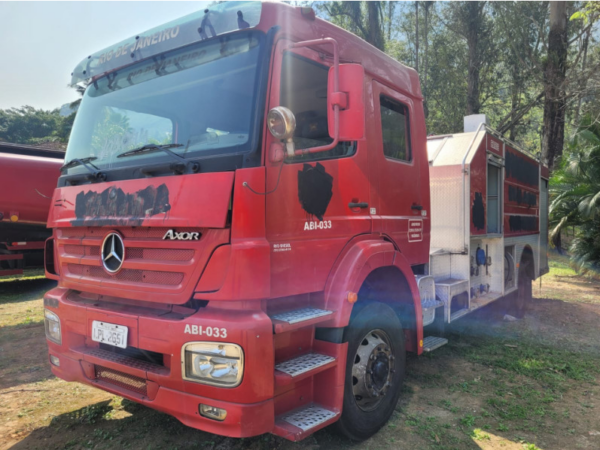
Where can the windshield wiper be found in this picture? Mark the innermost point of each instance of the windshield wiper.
(76, 162)
(149, 148)
(86, 162)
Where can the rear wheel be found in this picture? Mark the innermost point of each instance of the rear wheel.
(524, 292)
(374, 370)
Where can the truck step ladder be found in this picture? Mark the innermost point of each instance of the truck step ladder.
(298, 318)
(430, 343)
(304, 421)
(301, 367)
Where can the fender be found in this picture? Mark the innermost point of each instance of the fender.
(361, 257)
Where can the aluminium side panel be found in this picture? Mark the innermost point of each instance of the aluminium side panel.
(447, 208)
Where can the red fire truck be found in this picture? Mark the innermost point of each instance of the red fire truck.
(252, 229)
(28, 175)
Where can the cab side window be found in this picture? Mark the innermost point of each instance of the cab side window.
(395, 130)
(304, 92)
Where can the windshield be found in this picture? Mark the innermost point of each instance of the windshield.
(201, 97)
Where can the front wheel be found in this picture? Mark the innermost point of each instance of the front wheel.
(374, 370)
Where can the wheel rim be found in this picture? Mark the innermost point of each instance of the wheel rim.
(372, 370)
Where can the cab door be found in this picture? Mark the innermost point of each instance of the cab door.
(398, 163)
(315, 203)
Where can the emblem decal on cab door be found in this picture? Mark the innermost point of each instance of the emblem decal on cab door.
(315, 189)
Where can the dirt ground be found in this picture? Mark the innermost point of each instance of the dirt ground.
(528, 384)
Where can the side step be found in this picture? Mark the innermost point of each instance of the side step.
(430, 343)
(458, 314)
(298, 318)
(301, 367)
(304, 421)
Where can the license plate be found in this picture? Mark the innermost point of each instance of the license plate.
(109, 333)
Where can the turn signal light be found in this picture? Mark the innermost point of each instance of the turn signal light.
(352, 297)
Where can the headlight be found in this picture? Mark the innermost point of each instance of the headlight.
(213, 363)
(52, 324)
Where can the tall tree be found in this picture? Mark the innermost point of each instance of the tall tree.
(362, 18)
(554, 78)
(417, 36)
(467, 19)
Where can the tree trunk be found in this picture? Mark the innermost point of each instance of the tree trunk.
(391, 7)
(554, 77)
(425, 59)
(514, 102)
(417, 36)
(374, 33)
(583, 80)
(473, 18)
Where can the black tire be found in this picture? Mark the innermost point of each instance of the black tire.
(376, 326)
(524, 294)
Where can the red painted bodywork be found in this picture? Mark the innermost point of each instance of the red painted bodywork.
(21, 176)
(492, 145)
(27, 179)
(255, 256)
(513, 208)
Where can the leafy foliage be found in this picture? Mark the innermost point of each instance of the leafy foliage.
(27, 125)
(575, 188)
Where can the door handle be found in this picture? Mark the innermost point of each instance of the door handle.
(417, 207)
(358, 205)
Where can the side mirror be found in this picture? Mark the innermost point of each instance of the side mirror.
(350, 97)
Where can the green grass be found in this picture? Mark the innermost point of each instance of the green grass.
(560, 266)
(552, 367)
(28, 274)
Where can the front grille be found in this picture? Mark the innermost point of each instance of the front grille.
(81, 250)
(160, 254)
(157, 254)
(150, 262)
(131, 275)
(121, 380)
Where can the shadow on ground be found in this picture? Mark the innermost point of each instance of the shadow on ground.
(24, 290)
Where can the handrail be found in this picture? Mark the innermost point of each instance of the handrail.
(464, 193)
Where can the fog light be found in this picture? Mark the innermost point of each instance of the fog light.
(54, 360)
(212, 412)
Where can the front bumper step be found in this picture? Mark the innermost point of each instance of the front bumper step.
(309, 417)
(302, 422)
(102, 357)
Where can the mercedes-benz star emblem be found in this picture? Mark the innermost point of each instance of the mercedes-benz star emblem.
(113, 252)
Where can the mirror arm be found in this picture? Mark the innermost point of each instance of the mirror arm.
(336, 88)
(325, 148)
